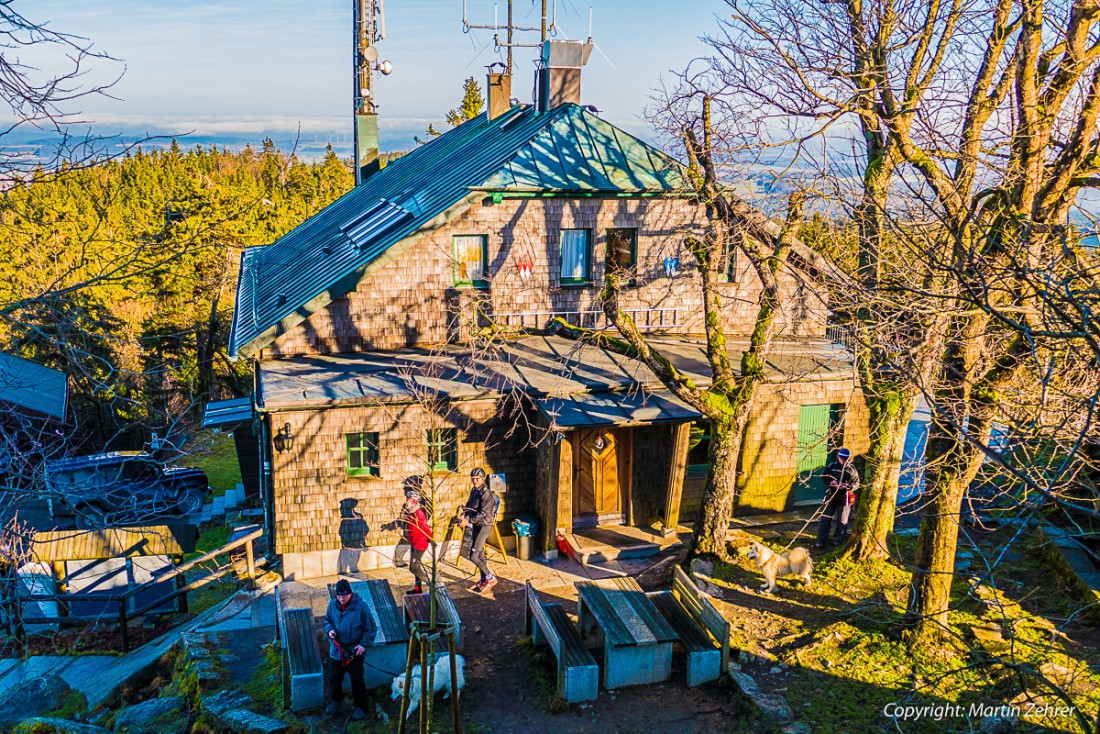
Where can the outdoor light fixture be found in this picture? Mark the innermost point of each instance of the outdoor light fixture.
(526, 267)
(672, 266)
(283, 440)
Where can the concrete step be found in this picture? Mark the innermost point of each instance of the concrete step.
(586, 552)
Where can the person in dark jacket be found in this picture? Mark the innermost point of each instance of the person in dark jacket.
(418, 534)
(479, 515)
(350, 628)
(841, 483)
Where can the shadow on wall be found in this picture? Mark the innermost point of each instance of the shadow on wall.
(353, 536)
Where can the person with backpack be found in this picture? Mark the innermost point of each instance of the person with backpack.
(479, 514)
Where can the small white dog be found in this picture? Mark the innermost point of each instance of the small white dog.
(440, 679)
(795, 562)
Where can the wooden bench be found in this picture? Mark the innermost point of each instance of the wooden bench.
(704, 633)
(418, 609)
(303, 671)
(386, 657)
(578, 674)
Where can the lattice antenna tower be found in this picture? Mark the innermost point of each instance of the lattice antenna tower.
(369, 24)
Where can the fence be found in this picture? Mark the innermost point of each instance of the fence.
(646, 319)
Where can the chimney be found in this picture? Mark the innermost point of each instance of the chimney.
(500, 94)
(559, 78)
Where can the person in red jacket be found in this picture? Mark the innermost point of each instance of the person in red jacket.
(418, 533)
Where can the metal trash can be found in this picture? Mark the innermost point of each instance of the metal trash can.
(525, 529)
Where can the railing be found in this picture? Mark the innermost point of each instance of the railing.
(646, 319)
(15, 622)
(840, 335)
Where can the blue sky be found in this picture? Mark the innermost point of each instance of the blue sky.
(239, 69)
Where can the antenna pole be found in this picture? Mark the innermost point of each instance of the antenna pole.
(544, 21)
(510, 28)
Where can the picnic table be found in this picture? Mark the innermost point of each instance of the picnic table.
(387, 656)
(637, 640)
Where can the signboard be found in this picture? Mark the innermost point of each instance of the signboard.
(498, 483)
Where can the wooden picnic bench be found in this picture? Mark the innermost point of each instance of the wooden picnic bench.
(303, 672)
(385, 658)
(704, 633)
(637, 640)
(548, 624)
(418, 609)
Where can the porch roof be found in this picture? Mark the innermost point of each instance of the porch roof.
(616, 409)
(547, 366)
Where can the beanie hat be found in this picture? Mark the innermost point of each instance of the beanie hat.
(478, 472)
(343, 587)
(844, 453)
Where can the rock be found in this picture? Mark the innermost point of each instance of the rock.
(797, 727)
(197, 653)
(63, 726)
(701, 567)
(733, 667)
(223, 701)
(32, 697)
(999, 723)
(746, 683)
(773, 706)
(1075, 683)
(206, 670)
(776, 670)
(155, 716)
(248, 722)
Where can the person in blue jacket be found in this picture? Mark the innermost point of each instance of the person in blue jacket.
(350, 628)
(841, 483)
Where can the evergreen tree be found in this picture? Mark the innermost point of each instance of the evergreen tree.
(471, 105)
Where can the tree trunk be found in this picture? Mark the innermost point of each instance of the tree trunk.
(890, 416)
(721, 489)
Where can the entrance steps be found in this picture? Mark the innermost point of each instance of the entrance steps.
(605, 543)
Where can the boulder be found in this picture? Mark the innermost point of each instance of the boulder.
(797, 727)
(63, 726)
(223, 701)
(746, 683)
(33, 697)
(773, 706)
(699, 567)
(155, 716)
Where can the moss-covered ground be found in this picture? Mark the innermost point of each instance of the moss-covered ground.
(838, 650)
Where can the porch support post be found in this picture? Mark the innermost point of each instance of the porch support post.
(554, 492)
(677, 467)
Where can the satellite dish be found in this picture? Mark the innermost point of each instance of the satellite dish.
(385, 67)
(370, 53)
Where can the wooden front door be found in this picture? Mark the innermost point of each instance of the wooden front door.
(597, 490)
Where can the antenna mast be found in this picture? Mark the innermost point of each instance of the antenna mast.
(369, 24)
(510, 29)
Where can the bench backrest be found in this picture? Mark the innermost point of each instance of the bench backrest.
(378, 597)
(536, 609)
(702, 611)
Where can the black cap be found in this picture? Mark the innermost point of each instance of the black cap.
(343, 587)
(478, 472)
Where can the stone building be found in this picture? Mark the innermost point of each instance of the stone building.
(397, 340)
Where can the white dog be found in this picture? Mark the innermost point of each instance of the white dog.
(440, 679)
(796, 562)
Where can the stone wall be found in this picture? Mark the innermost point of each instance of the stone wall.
(328, 522)
(410, 298)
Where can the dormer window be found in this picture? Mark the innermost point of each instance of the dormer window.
(471, 260)
(576, 257)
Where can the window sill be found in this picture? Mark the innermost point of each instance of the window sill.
(363, 475)
(575, 284)
(479, 285)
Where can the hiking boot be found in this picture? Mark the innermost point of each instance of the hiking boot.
(333, 709)
(489, 583)
(358, 714)
(479, 586)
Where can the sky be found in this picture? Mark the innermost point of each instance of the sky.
(234, 70)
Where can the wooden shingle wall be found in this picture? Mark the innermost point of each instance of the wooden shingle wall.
(411, 299)
(318, 507)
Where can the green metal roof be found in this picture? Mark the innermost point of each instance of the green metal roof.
(565, 150)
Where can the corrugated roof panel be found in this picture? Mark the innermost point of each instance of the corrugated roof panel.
(227, 412)
(33, 387)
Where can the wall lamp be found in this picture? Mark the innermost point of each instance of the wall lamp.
(283, 440)
(672, 266)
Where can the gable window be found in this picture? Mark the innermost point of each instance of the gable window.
(362, 454)
(576, 257)
(442, 449)
(471, 260)
(622, 252)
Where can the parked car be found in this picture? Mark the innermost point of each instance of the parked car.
(122, 488)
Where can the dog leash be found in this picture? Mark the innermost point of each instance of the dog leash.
(346, 661)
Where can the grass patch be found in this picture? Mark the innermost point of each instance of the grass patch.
(215, 454)
(70, 705)
(545, 674)
(265, 687)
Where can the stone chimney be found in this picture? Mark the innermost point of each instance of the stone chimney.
(499, 89)
(559, 76)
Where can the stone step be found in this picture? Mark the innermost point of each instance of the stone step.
(588, 553)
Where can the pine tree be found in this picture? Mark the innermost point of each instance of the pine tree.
(471, 105)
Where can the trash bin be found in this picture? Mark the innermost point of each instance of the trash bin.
(525, 529)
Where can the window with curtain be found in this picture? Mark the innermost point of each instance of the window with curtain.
(575, 257)
(471, 259)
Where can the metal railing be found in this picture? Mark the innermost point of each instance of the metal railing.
(646, 319)
(15, 620)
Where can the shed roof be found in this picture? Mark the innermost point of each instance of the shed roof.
(33, 387)
(222, 413)
(567, 149)
(540, 366)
